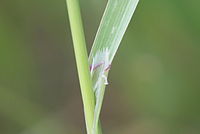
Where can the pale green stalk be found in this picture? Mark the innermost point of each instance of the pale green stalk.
(82, 62)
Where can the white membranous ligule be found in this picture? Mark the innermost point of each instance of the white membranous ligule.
(100, 63)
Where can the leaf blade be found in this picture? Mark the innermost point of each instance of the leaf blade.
(121, 12)
(114, 23)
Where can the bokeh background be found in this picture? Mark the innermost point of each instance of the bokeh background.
(154, 81)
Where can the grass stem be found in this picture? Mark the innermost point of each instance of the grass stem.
(82, 62)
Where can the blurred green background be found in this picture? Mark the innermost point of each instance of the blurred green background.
(154, 81)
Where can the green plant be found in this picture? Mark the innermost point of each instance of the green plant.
(93, 72)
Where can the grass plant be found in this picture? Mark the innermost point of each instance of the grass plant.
(93, 71)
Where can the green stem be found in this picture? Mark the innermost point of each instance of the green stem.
(82, 62)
